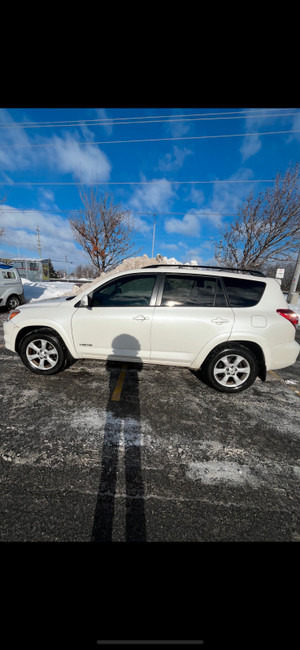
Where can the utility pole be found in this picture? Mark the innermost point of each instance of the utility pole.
(154, 226)
(39, 243)
(294, 295)
(67, 261)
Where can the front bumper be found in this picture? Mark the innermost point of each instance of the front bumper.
(10, 334)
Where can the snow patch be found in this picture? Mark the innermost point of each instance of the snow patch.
(214, 471)
(97, 423)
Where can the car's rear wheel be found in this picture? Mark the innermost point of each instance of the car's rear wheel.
(43, 353)
(231, 369)
(13, 302)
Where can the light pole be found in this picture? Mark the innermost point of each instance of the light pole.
(293, 294)
(38, 239)
(154, 226)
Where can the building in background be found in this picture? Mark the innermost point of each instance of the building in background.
(33, 269)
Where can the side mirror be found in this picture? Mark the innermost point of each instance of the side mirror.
(84, 301)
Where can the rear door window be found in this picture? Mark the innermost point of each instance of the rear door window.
(243, 293)
(192, 291)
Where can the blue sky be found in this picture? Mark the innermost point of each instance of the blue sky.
(162, 161)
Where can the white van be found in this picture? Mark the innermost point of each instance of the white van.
(11, 287)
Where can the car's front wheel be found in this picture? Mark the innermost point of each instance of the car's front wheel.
(43, 352)
(231, 369)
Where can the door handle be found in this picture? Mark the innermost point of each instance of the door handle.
(141, 317)
(219, 321)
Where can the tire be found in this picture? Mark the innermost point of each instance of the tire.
(13, 302)
(231, 369)
(43, 352)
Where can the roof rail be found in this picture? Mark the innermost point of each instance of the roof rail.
(216, 268)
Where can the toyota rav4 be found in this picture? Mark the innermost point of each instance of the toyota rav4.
(232, 325)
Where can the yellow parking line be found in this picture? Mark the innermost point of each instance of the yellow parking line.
(283, 382)
(118, 389)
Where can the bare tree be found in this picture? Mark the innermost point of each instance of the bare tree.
(103, 230)
(267, 227)
(85, 271)
(289, 268)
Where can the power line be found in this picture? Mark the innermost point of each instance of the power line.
(153, 182)
(144, 213)
(118, 122)
(191, 137)
(113, 120)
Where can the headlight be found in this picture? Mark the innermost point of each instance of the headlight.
(12, 313)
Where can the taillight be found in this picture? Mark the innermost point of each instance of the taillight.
(290, 315)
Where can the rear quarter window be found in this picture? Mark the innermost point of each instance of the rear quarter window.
(243, 293)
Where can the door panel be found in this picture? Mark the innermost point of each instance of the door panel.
(192, 312)
(118, 320)
(102, 332)
(179, 333)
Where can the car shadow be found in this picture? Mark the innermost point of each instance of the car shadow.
(122, 432)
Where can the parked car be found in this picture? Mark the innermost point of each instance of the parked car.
(232, 325)
(11, 287)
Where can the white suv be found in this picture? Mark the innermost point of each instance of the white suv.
(231, 325)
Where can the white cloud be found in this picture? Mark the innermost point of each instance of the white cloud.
(189, 225)
(170, 246)
(140, 225)
(49, 225)
(196, 195)
(154, 196)
(178, 128)
(227, 197)
(251, 145)
(295, 126)
(256, 120)
(102, 115)
(56, 237)
(13, 154)
(86, 162)
(46, 199)
(175, 160)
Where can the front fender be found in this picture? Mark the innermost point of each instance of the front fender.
(56, 327)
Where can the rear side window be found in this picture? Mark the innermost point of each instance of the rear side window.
(192, 291)
(243, 293)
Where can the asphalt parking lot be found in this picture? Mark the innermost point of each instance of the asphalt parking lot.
(106, 452)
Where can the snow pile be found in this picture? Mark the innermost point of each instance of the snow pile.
(133, 263)
(45, 290)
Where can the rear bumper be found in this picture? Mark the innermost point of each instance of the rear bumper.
(282, 355)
